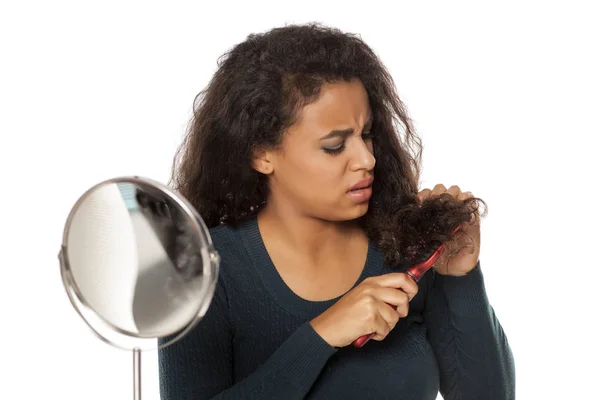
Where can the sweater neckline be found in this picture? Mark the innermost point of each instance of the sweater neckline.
(281, 292)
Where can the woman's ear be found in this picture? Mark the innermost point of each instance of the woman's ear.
(262, 162)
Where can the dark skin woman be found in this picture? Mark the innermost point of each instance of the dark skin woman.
(304, 164)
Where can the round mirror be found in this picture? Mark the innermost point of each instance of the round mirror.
(138, 264)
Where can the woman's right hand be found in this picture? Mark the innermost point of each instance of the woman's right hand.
(374, 306)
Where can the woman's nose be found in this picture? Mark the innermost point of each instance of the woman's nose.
(362, 157)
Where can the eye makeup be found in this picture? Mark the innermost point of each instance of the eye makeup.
(340, 147)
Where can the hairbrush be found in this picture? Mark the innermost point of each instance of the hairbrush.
(415, 272)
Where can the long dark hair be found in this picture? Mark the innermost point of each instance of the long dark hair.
(255, 95)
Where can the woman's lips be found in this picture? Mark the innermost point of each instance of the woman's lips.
(362, 184)
(360, 195)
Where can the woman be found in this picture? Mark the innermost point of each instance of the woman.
(295, 161)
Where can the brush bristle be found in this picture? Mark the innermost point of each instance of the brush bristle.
(422, 254)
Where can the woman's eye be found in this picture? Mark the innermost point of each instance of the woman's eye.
(334, 150)
(342, 146)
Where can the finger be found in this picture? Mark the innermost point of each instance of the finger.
(454, 191)
(465, 195)
(380, 328)
(389, 314)
(438, 189)
(393, 297)
(423, 194)
(398, 280)
(475, 218)
(404, 283)
(409, 287)
(402, 310)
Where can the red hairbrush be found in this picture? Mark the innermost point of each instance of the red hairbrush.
(416, 272)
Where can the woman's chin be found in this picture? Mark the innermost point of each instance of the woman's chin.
(357, 210)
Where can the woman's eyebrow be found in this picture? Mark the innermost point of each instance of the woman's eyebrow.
(339, 132)
(346, 132)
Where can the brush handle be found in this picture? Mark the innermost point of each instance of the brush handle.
(415, 272)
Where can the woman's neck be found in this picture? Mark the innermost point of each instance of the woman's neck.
(316, 240)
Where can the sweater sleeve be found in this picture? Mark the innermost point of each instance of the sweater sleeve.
(474, 357)
(200, 365)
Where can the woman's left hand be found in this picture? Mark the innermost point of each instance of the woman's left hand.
(461, 253)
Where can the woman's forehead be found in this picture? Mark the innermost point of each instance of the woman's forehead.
(339, 106)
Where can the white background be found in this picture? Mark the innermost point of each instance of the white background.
(505, 96)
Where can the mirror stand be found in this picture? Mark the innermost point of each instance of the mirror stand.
(138, 265)
(137, 374)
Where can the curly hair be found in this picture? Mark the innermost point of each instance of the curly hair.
(257, 92)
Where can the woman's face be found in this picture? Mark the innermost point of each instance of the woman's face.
(324, 155)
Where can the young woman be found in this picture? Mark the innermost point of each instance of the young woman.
(302, 161)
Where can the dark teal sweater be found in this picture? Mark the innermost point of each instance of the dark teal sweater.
(255, 341)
